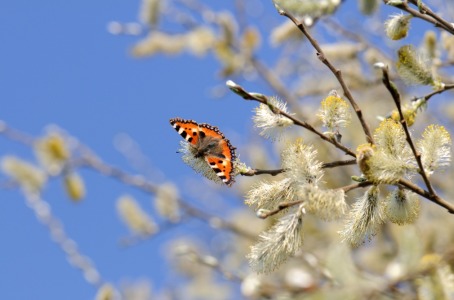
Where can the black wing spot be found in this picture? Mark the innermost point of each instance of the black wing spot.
(216, 170)
(223, 177)
(202, 134)
(177, 128)
(194, 133)
(220, 161)
(190, 139)
(184, 134)
(212, 163)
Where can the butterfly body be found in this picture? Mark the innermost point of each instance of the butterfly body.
(209, 143)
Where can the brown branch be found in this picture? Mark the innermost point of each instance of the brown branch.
(396, 97)
(339, 163)
(280, 207)
(273, 81)
(237, 89)
(253, 172)
(337, 73)
(139, 182)
(350, 187)
(425, 14)
(429, 196)
(424, 9)
(446, 87)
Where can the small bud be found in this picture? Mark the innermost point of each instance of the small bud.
(379, 65)
(397, 26)
(134, 217)
(166, 202)
(150, 11)
(307, 8)
(368, 7)
(430, 44)
(210, 261)
(30, 178)
(106, 292)
(363, 153)
(52, 152)
(262, 213)
(74, 186)
(395, 2)
(230, 84)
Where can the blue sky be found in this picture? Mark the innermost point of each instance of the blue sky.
(59, 65)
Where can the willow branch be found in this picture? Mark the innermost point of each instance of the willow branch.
(144, 185)
(446, 87)
(396, 97)
(339, 163)
(281, 206)
(425, 14)
(337, 73)
(350, 187)
(237, 89)
(426, 194)
(253, 172)
(424, 9)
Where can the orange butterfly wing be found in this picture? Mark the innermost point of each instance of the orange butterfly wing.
(222, 166)
(188, 129)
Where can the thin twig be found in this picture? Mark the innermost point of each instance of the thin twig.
(431, 195)
(428, 15)
(338, 163)
(253, 172)
(350, 187)
(16, 135)
(424, 9)
(396, 97)
(337, 73)
(279, 208)
(140, 182)
(426, 98)
(237, 89)
(212, 262)
(273, 81)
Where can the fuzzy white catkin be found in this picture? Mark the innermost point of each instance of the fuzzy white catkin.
(278, 243)
(271, 124)
(364, 218)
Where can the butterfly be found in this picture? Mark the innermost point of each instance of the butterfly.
(209, 143)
